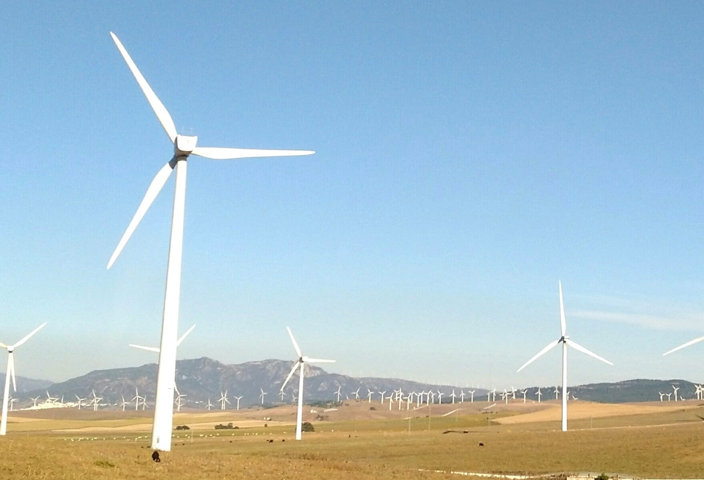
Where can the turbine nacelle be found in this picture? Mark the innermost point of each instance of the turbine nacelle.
(184, 145)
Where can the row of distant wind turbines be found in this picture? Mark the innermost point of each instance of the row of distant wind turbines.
(184, 147)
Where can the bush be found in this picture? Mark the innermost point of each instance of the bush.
(220, 426)
(307, 427)
(183, 427)
(603, 476)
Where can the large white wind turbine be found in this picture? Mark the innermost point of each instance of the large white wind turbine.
(11, 373)
(300, 364)
(184, 146)
(565, 340)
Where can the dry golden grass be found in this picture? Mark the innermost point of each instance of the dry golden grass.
(650, 443)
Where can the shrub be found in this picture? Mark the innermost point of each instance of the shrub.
(307, 427)
(603, 476)
(183, 427)
(220, 426)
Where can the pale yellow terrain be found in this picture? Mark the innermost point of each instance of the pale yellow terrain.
(585, 410)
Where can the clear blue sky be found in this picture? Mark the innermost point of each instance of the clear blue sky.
(469, 156)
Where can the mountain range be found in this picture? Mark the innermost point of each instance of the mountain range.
(204, 379)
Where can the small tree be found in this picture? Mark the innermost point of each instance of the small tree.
(307, 427)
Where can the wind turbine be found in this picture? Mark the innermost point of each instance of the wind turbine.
(238, 401)
(300, 365)
(123, 404)
(36, 399)
(261, 395)
(471, 392)
(11, 373)
(96, 401)
(136, 398)
(338, 393)
(675, 389)
(184, 146)
(539, 394)
(209, 405)
(223, 399)
(179, 403)
(565, 340)
(77, 398)
(369, 395)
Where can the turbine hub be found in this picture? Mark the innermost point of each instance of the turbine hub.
(184, 145)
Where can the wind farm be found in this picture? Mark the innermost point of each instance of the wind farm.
(453, 162)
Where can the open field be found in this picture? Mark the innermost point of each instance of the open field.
(644, 440)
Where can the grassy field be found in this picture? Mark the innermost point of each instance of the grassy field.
(665, 442)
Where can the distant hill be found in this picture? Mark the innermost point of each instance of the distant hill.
(24, 384)
(204, 379)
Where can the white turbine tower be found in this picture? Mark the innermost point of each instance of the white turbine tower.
(209, 405)
(262, 395)
(565, 340)
(184, 146)
(238, 401)
(11, 373)
(300, 365)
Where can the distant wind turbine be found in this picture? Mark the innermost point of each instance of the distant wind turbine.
(300, 365)
(565, 340)
(184, 146)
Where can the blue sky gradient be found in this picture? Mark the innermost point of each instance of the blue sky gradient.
(469, 156)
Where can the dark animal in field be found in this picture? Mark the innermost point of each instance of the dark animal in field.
(155, 456)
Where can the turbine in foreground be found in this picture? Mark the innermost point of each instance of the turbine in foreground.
(565, 340)
(184, 146)
(11, 373)
(300, 364)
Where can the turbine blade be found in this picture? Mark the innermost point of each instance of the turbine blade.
(691, 342)
(151, 349)
(540, 354)
(2, 345)
(184, 335)
(217, 153)
(316, 360)
(295, 365)
(577, 346)
(28, 336)
(11, 360)
(295, 345)
(154, 188)
(161, 113)
(563, 323)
